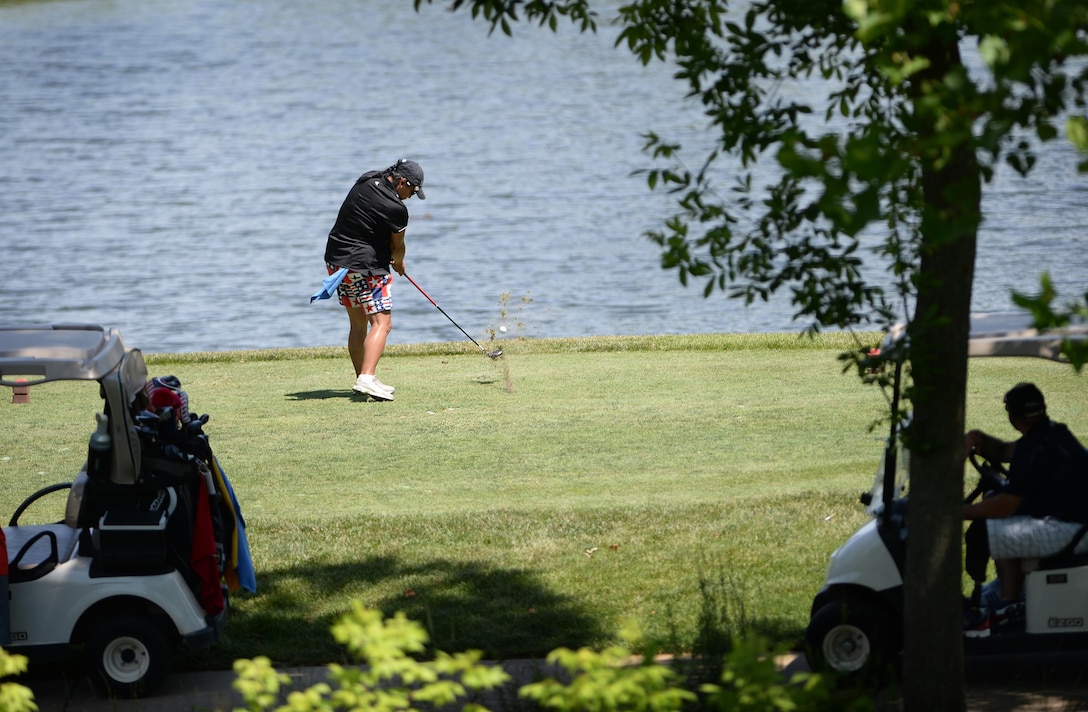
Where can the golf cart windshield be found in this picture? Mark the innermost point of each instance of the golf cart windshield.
(32, 355)
(875, 502)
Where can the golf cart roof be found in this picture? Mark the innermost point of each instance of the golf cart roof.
(39, 353)
(1006, 334)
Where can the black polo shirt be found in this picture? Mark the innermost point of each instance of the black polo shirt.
(1049, 470)
(360, 238)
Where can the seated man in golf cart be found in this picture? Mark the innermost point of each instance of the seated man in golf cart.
(1040, 508)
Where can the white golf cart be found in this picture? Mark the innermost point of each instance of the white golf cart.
(856, 623)
(132, 565)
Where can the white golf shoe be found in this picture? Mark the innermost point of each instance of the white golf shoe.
(371, 386)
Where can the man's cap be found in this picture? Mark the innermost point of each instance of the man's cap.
(1024, 400)
(411, 172)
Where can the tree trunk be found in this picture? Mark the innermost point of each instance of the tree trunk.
(933, 644)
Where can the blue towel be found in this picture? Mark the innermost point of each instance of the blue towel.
(329, 285)
(247, 575)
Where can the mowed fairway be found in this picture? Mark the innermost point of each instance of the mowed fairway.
(535, 501)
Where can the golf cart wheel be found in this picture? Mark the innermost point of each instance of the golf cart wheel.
(127, 657)
(852, 637)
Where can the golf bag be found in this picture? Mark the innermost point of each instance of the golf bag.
(178, 515)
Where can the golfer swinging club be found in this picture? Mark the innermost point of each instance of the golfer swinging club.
(367, 238)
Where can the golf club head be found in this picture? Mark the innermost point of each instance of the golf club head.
(495, 354)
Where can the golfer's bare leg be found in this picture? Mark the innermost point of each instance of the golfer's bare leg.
(374, 344)
(357, 337)
(1011, 575)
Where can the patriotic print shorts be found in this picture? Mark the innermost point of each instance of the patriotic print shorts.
(369, 292)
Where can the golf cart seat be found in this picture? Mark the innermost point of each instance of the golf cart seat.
(36, 549)
(1072, 555)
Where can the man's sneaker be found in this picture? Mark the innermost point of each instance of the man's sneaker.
(386, 386)
(976, 623)
(370, 386)
(1008, 616)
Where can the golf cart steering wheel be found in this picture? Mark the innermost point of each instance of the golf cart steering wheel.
(991, 476)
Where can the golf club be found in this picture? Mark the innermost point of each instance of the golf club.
(490, 354)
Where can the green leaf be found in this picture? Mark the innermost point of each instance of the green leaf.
(1076, 128)
(994, 51)
(856, 10)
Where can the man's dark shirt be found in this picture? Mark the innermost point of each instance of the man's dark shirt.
(1049, 471)
(370, 214)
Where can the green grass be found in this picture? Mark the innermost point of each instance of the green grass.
(534, 501)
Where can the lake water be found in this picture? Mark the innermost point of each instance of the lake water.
(173, 168)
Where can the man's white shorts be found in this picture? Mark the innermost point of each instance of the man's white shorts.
(1028, 537)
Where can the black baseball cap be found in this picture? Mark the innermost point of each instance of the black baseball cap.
(411, 172)
(1024, 400)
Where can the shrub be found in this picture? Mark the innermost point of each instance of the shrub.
(13, 696)
(388, 680)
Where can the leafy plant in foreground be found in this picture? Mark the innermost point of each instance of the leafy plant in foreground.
(612, 680)
(13, 696)
(389, 679)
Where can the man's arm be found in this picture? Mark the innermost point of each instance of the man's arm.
(396, 243)
(993, 449)
(998, 506)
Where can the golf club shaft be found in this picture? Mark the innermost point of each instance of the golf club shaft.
(444, 313)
